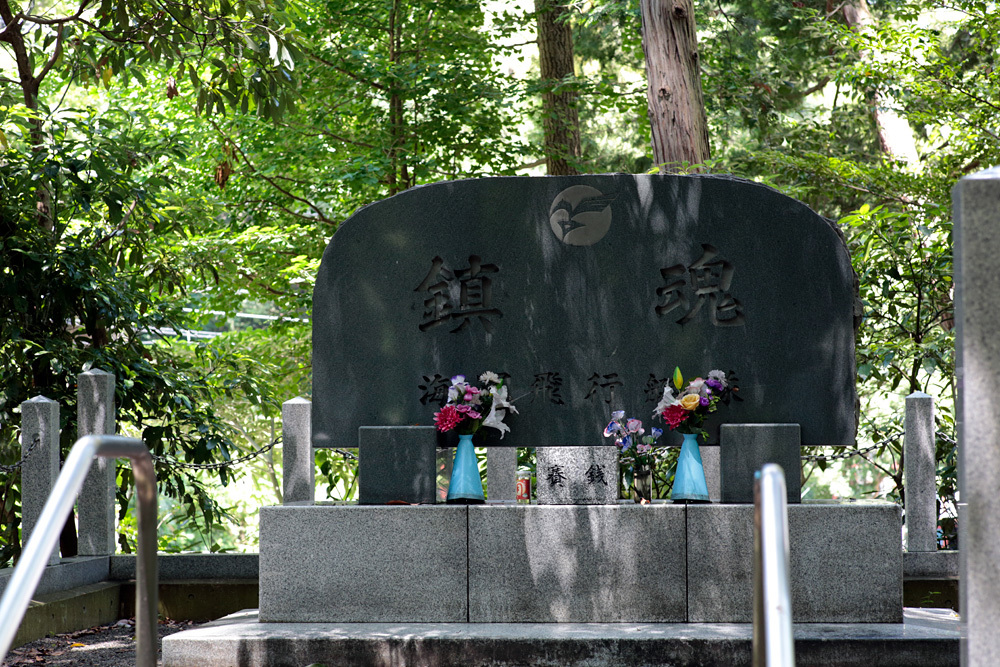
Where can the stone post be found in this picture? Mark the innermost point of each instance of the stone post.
(711, 463)
(745, 448)
(501, 473)
(919, 473)
(297, 461)
(976, 209)
(95, 410)
(40, 451)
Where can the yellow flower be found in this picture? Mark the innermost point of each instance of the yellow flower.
(690, 402)
(678, 378)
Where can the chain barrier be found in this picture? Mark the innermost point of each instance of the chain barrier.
(854, 452)
(861, 452)
(350, 456)
(947, 438)
(16, 466)
(174, 463)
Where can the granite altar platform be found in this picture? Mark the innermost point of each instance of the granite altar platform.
(622, 563)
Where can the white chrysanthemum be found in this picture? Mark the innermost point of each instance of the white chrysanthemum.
(489, 377)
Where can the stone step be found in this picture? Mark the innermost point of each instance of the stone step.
(927, 637)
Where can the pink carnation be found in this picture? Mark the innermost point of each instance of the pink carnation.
(468, 410)
(675, 415)
(447, 418)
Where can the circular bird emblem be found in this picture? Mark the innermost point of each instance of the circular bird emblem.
(581, 215)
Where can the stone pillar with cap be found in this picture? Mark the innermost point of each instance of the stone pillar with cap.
(976, 210)
(96, 507)
(40, 456)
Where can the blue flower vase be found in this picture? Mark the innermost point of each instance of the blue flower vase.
(466, 487)
(689, 478)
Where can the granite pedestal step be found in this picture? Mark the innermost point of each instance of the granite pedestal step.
(927, 637)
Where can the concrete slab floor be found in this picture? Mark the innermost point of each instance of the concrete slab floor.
(926, 637)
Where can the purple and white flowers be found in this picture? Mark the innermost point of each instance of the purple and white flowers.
(469, 407)
(633, 448)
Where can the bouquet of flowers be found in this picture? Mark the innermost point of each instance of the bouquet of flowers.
(469, 407)
(685, 411)
(636, 453)
(633, 449)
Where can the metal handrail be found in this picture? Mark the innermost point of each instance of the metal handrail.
(35, 556)
(773, 643)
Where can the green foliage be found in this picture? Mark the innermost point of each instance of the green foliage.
(791, 91)
(94, 291)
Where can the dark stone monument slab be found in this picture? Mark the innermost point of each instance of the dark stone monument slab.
(397, 463)
(586, 291)
(745, 448)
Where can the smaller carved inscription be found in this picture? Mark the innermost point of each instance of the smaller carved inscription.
(654, 388)
(547, 386)
(434, 389)
(595, 474)
(603, 387)
(555, 475)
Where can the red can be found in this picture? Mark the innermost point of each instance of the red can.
(524, 487)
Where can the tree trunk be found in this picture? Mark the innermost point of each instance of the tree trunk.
(398, 177)
(30, 85)
(673, 91)
(560, 120)
(895, 136)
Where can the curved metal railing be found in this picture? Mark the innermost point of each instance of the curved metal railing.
(773, 643)
(43, 539)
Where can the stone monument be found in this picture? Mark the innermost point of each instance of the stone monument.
(585, 292)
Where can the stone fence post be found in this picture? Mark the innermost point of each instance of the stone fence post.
(976, 211)
(920, 473)
(40, 451)
(297, 461)
(95, 409)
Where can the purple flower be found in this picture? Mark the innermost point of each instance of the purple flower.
(704, 401)
(714, 384)
(656, 432)
(611, 429)
(626, 442)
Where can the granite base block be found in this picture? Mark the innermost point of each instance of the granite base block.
(67, 574)
(350, 563)
(397, 463)
(930, 564)
(846, 563)
(205, 566)
(577, 564)
(926, 638)
(577, 475)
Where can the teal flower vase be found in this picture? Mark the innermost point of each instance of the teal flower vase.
(689, 478)
(466, 487)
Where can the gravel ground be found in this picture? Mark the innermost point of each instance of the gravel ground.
(102, 646)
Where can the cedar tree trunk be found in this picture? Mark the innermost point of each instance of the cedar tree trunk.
(673, 92)
(560, 120)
